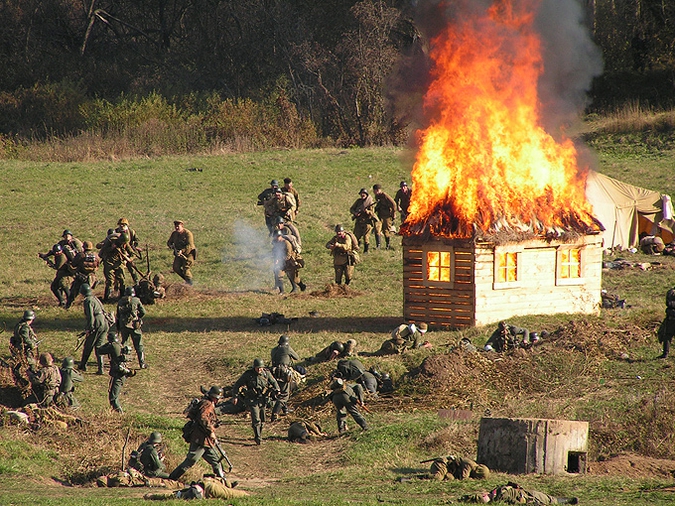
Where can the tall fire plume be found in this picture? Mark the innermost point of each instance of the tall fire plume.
(484, 163)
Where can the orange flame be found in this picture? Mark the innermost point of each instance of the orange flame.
(484, 163)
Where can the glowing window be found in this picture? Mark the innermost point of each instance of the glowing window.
(507, 267)
(569, 266)
(438, 266)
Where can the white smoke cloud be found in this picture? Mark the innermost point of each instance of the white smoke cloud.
(252, 252)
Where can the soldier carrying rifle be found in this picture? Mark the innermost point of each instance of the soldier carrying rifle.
(60, 287)
(182, 243)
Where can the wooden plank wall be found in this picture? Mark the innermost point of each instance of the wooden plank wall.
(436, 305)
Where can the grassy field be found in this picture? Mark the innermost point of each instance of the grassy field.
(207, 335)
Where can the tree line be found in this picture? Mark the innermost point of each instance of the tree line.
(328, 60)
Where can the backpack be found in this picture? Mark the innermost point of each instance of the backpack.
(355, 241)
(189, 426)
(350, 369)
(89, 263)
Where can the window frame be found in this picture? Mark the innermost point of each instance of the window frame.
(438, 248)
(501, 250)
(581, 280)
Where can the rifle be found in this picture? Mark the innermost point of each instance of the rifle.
(354, 216)
(177, 252)
(81, 338)
(147, 258)
(50, 263)
(129, 261)
(223, 456)
(361, 404)
(429, 460)
(124, 447)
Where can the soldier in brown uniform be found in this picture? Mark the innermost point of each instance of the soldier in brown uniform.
(84, 268)
(280, 204)
(364, 217)
(341, 248)
(123, 227)
(402, 199)
(45, 381)
(115, 252)
(64, 276)
(183, 245)
(385, 209)
(285, 260)
(288, 188)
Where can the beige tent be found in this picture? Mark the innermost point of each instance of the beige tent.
(626, 210)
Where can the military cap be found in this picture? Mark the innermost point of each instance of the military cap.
(287, 180)
(176, 222)
(362, 191)
(123, 221)
(423, 327)
(377, 187)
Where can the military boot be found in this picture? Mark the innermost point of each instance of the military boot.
(302, 286)
(122, 287)
(567, 500)
(257, 431)
(294, 287)
(141, 361)
(106, 293)
(387, 240)
(365, 247)
(378, 241)
(99, 362)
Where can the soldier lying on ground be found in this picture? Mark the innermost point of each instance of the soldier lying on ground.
(514, 494)
(304, 431)
(404, 337)
(133, 478)
(506, 338)
(206, 488)
(335, 350)
(455, 468)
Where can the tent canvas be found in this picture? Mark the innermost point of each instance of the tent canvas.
(626, 210)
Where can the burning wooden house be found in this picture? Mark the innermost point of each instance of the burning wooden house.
(499, 224)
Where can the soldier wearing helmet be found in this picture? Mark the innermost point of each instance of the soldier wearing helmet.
(84, 268)
(24, 341)
(335, 350)
(96, 328)
(123, 227)
(129, 320)
(70, 245)
(182, 243)
(346, 398)
(63, 277)
(118, 368)
(343, 247)
(364, 217)
(148, 459)
(116, 252)
(402, 200)
(260, 384)
(45, 381)
(267, 193)
(280, 204)
(286, 260)
(282, 357)
(69, 376)
(506, 337)
(290, 232)
(202, 438)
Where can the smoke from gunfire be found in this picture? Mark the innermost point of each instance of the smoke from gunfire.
(252, 252)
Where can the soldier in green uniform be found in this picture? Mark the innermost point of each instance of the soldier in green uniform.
(96, 328)
(282, 362)
(364, 217)
(260, 385)
(45, 381)
(182, 243)
(129, 320)
(69, 376)
(149, 457)
(202, 437)
(385, 209)
(71, 245)
(405, 337)
(64, 276)
(402, 199)
(342, 249)
(24, 342)
(667, 329)
(453, 467)
(123, 227)
(84, 267)
(118, 368)
(345, 399)
(506, 338)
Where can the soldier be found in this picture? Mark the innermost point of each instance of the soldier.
(118, 368)
(149, 458)
(363, 217)
(24, 342)
(304, 431)
(129, 319)
(123, 227)
(288, 188)
(342, 249)
(354, 370)
(69, 376)
(182, 243)
(83, 267)
(267, 192)
(402, 199)
(279, 204)
(96, 328)
(71, 245)
(456, 468)
(405, 337)
(505, 338)
(290, 232)
(202, 436)
(667, 328)
(345, 399)
(45, 381)
(514, 494)
(385, 209)
(334, 350)
(63, 278)
(260, 385)
(115, 252)
(286, 260)
(282, 364)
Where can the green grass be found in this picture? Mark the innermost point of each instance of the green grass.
(208, 336)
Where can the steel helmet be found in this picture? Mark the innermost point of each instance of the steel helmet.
(57, 248)
(337, 384)
(68, 363)
(123, 221)
(284, 339)
(215, 392)
(155, 438)
(277, 233)
(339, 228)
(66, 232)
(129, 290)
(112, 336)
(88, 245)
(279, 219)
(337, 346)
(85, 290)
(362, 191)
(124, 237)
(274, 182)
(29, 314)
(258, 362)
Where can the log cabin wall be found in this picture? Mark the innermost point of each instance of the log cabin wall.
(471, 292)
